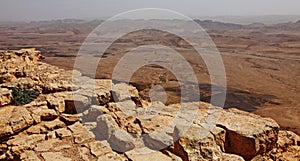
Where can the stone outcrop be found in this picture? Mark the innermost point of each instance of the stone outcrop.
(5, 96)
(196, 143)
(250, 137)
(79, 118)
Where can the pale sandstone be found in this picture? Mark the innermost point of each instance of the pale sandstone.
(52, 156)
(5, 96)
(146, 154)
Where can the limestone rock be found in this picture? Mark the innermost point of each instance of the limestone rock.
(132, 125)
(102, 89)
(111, 156)
(158, 140)
(29, 155)
(287, 138)
(63, 133)
(258, 138)
(196, 143)
(93, 112)
(231, 157)
(76, 104)
(45, 113)
(84, 153)
(128, 107)
(121, 141)
(80, 133)
(23, 83)
(14, 119)
(57, 103)
(5, 96)
(37, 129)
(55, 124)
(106, 125)
(287, 148)
(6, 77)
(146, 154)
(70, 119)
(171, 155)
(21, 143)
(51, 156)
(220, 137)
(62, 147)
(45, 145)
(51, 135)
(122, 92)
(99, 149)
(57, 86)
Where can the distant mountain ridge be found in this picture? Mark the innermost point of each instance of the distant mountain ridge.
(207, 24)
(216, 25)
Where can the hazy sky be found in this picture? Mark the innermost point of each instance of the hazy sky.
(15, 10)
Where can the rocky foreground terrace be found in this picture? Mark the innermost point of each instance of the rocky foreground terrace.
(68, 122)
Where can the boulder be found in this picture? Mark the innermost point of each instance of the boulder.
(122, 92)
(158, 140)
(106, 125)
(196, 143)
(121, 141)
(77, 103)
(247, 134)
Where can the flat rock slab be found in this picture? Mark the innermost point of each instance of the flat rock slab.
(29, 155)
(80, 133)
(52, 156)
(146, 154)
(14, 119)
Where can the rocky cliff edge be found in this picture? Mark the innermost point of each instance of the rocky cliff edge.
(81, 121)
